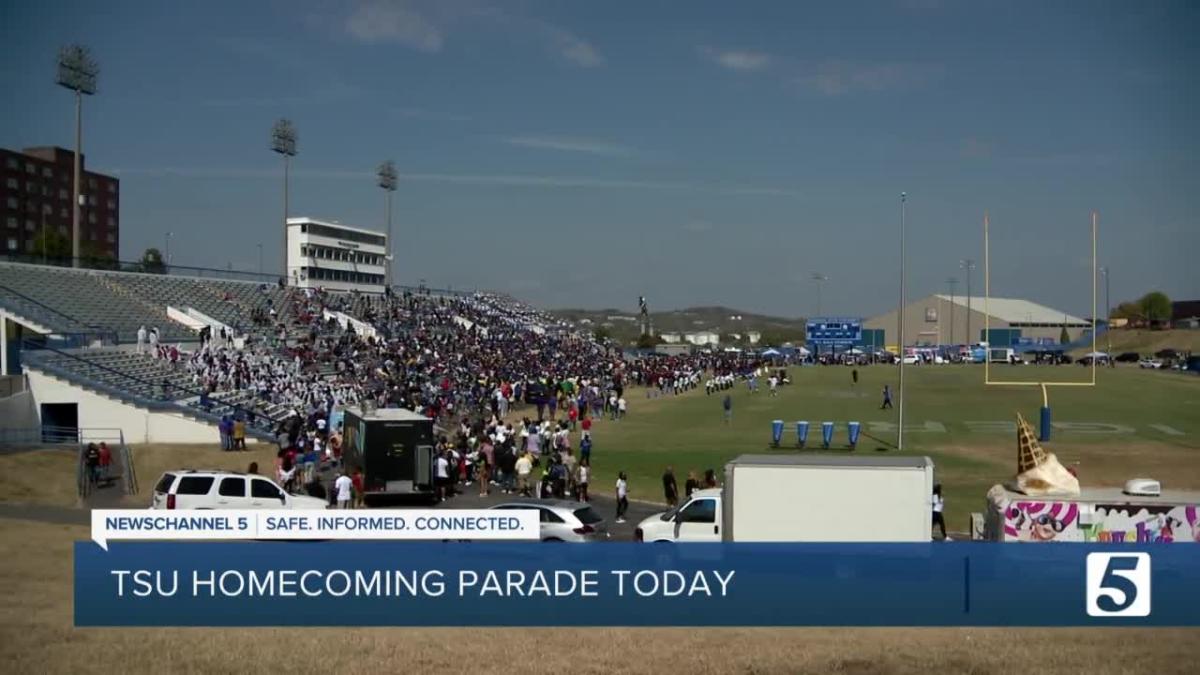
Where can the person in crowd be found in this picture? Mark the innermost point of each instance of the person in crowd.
(691, 485)
(582, 480)
(343, 487)
(105, 460)
(359, 486)
(524, 469)
(441, 476)
(939, 505)
(141, 339)
(252, 469)
(670, 488)
(239, 434)
(622, 496)
(483, 474)
(710, 478)
(92, 462)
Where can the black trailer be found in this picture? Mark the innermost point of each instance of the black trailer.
(394, 449)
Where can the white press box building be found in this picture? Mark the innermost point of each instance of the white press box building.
(335, 256)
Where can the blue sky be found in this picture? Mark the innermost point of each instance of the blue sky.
(584, 153)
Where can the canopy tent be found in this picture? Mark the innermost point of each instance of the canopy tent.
(1096, 355)
(771, 351)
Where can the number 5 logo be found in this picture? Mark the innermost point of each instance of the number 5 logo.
(1118, 584)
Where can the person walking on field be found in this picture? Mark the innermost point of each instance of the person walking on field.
(622, 496)
(727, 404)
(887, 398)
(854, 377)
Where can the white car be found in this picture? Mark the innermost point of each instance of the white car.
(192, 489)
(563, 519)
(1150, 363)
(912, 360)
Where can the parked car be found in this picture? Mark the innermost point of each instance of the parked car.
(1127, 357)
(1150, 363)
(563, 519)
(200, 489)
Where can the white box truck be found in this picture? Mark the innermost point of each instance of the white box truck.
(798, 498)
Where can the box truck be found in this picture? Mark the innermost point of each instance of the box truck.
(814, 498)
(393, 448)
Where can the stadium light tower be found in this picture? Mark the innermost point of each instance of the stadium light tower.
(77, 71)
(900, 326)
(819, 279)
(968, 265)
(952, 282)
(387, 181)
(1107, 314)
(283, 141)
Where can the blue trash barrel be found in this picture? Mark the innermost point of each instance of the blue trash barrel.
(826, 433)
(853, 429)
(776, 432)
(801, 433)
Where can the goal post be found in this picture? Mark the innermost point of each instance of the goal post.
(1045, 417)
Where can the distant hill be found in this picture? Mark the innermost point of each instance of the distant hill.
(625, 326)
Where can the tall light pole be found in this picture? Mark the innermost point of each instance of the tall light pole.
(387, 181)
(1107, 314)
(968, 265)
(952, 282)
(900, 326)
(819, 279)
(77, 71)
(283, 141)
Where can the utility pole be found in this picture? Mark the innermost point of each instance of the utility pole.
(77, 71)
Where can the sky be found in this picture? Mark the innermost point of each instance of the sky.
(580, 154)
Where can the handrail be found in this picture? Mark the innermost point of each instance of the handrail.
(165, 404)
(48, 308)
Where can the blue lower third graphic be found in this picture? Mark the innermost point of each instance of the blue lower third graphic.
(509, 584)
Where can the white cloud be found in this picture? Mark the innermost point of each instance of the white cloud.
(733, 59)
(569, 144)
(495, 179)
(572, 47)
(424, 25)
(394, 21)
(838, 78)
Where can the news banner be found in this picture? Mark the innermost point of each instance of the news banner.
(481, 568)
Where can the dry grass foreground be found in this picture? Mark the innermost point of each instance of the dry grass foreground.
(36, 635)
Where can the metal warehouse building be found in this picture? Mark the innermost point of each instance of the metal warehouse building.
(945, 319)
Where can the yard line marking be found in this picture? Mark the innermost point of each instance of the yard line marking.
(1170, 431)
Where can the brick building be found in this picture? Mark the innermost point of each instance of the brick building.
(35, 193)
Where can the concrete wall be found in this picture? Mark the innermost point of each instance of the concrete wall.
(96, 411)
(18, 412)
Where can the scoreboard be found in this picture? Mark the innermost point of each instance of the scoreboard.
(834, 331)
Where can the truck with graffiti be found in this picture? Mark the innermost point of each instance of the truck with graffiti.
(1096, 515)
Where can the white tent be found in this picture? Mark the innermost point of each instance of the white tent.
(1096, 355)
(803, 351)
(854, 350)
(771, 351)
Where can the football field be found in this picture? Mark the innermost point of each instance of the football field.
(1132, 423)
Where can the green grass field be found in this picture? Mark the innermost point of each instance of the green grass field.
(689, 433)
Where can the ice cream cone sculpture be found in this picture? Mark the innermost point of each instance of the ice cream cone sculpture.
(1039, 472)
